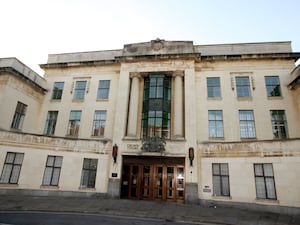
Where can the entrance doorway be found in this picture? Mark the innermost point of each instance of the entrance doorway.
(153, 178)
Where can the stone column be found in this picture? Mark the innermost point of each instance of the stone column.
(178, 105)
(133, 105)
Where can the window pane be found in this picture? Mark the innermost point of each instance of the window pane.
(15, 174)
(55, 176)
(224, 169)
(47, 176)
(270, 185)
(225, 186)
(243, 86)
(216, 169)
(268, 170)
(84, 178)
(217, 185)
(260, 187)
(10, 158)
(6, 173)
(213, 87)
(258, 169)
(50, 161)
(58, 161)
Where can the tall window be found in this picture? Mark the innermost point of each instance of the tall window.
(243, 87)
(57, 90)
(279, 124)
(80, 87)
(272, 86)
(52, 170)
(103, 89)
(51, 123)
(156, 115)
(99, 123)
(247, 125)
(19, 116)
(74, 123)
(89, 170)
(264, 181)
(215, 122)
(220, 179)
(213, 87)
(12, 167)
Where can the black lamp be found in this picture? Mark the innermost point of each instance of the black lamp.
(191, 155)
(115, 152)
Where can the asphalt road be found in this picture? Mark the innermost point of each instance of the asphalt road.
(48, 218)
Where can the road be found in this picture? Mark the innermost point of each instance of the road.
(48, 218)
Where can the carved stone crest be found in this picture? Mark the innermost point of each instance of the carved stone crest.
(157, 44)
(153, 144)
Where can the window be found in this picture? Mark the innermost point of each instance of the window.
(79, 90)
(264, 181)
(272, 86)
(279, 124)
(52, 170)
(50, 123)
(74, 123)
(247, 125)
(213, 87)
(89, 170)
(103, 89)
(156, 114)
(220, 179)
(12, 167)
(19, 116)
(99, 123)
(215, 122)
(57, 90)
(243, 87)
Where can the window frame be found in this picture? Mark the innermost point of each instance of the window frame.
(79, 92)
(50, 123)
(243, 90)
(11, 170)
(265, 177)
(221, 181)
(57, 90)
(215, 122)
(91, 173)
(271, 85)
(19, 116)
(54, 167)
(247, 125)
(99, 121)
(75, 125)
(279, 123)
(213, 87)
(103, 90)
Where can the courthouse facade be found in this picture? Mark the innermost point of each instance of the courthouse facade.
(160, 120)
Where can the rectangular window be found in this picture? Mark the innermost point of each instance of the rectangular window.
(19, 116)
(57, 90)
(272, 86)
(99, 123)
(52, 170)
(79, 92)
(279, 124)
(264, 181)
(247, 125)
(243, 87)
(215, 122)
(89, 170)
(74, 123)
(220, 174)
(213, 87)
(51, 123)
(12, 167)
(103, 89)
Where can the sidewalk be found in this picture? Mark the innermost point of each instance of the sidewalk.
(146, 209)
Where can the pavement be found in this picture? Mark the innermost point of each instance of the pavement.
(198, 214)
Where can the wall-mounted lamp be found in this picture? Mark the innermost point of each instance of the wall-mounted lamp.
(115, 152)
(191, 155)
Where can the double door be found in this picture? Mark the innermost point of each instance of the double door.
(153, 182)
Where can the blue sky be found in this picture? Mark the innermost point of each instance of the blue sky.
(32, 29)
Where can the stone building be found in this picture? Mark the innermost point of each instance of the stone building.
(160, 120)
